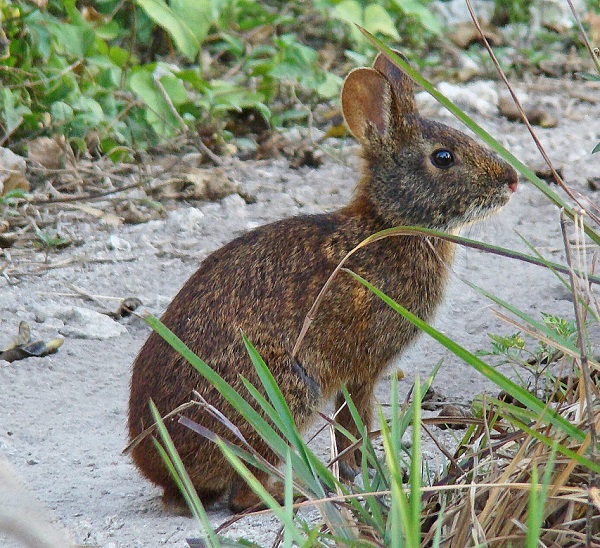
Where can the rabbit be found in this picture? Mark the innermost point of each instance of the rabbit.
(415, 172)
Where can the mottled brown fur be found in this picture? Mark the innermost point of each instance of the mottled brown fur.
(265, 282)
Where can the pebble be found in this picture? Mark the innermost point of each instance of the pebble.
(480, 96)
(83, 323)
(114, 243)
(456, 11)
(234, 204)
(187, 220)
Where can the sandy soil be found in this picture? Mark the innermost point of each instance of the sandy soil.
(62, 425)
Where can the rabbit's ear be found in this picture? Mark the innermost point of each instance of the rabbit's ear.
(367, 102)
(401, 83)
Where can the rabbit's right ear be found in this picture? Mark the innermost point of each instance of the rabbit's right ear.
(367, 103)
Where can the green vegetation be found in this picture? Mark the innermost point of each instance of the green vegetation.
(131, 74)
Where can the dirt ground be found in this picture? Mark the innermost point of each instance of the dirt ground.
(63, 420)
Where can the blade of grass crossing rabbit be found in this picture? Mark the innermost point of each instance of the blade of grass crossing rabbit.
(280, 512)
(249, 413)
(495, 376)
(177, 470)
(481, 133)
(369, 450)
(307, 467)
(314, 472)
(280, 406)
(280, 414)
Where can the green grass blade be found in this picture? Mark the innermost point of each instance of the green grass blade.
(550, 442)
(475, 244)
(179, 473)
(270, 502)
(288, 496)
(535, 512)
(279, 446)
(522, 395)
(281, 408)
(399, 504)
(415, 469)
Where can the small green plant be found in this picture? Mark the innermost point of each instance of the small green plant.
(48, 239)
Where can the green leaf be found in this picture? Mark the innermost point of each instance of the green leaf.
(73, 41)
(175, 24)
(197, 14)
(61, 112)
(159, 114)
(12, 112)
(596, 149)
(377, 19)
(420, 12)
(330, 86)
(351, 12)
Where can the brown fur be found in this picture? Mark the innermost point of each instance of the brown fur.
(265, 282)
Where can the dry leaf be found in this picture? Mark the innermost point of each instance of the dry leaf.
(465, 34)
(136, 213)
(51, 152)
(535, 114)
(12, 172)
(107, 218)
(21, 346)
(452, 411)
(198, 184)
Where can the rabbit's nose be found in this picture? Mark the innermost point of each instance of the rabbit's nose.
(512, 178)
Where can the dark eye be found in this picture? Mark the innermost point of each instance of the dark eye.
(442, 158)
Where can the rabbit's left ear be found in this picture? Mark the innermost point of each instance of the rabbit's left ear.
(402, 84)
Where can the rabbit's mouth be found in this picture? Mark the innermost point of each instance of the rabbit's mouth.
(480, 211)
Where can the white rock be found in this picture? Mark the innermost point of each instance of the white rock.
(12, 170)
(83, 323)
(114, 243)
(456, 11)
(480, 96)
(555, 14)
(187, 220)
(45, 312)
(235, 205)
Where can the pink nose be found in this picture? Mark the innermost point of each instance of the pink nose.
(513, 187)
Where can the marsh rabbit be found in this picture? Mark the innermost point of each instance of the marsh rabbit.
(415, 172)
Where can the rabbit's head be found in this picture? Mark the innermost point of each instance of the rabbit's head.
(418, 172)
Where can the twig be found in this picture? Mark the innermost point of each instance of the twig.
(85, 197)
(184, 127)
(591, 51)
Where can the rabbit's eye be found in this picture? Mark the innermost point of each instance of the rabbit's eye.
(442, 158)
